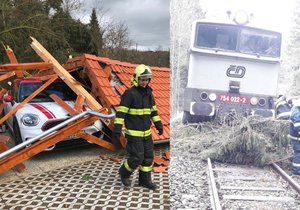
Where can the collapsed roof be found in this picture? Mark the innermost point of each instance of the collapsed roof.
(110, 78)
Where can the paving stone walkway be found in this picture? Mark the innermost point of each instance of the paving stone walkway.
(90, 185)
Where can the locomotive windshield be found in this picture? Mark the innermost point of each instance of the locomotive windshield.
(238, 39)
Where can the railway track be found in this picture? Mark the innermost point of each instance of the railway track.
(239, 187)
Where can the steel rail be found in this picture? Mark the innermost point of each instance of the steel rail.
(51, 130)
(285, 176)
(215, 197)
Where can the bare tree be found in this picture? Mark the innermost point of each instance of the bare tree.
(117, 36)
(71, 5)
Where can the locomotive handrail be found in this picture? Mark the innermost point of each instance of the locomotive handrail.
(51, 130)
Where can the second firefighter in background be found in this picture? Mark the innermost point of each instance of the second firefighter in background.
(137, 108)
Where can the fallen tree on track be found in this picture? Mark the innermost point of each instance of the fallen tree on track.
(252, 141)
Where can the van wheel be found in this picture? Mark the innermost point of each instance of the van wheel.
(17, 134)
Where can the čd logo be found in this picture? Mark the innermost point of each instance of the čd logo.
(236, 71)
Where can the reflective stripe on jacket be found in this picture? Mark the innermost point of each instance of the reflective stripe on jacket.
(137, 108)
(295, 122)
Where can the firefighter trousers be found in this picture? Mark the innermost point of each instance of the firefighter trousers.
(296, 156)
(140, 150)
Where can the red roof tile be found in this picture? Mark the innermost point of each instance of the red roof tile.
(120, 88)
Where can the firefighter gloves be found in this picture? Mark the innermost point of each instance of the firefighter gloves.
(116, 140)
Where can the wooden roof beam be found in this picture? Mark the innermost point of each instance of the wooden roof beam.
(79, 103)
(12, 58)
(28, 152)
(25, 66)
(2, 92)
(64, 105)
(65, 75)
(35, 93)
(7, 75)
(96, 140)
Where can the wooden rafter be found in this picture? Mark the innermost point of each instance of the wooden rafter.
(62, 73)
(1, 107)
(10, 54)
(48, 141)
(79, 103)
(12, 58)
(96, 140)
(35, 93)
(24, 66)
(63, 104)
(7, 75)
(19, 167)
(2, 92)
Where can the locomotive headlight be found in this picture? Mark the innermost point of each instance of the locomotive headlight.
(241, 17)
(212, 96)
(262, 101)
(30, 120)
(203, 96)
(253, 101)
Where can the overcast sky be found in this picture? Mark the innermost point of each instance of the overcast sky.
(268, 13)
(147, 20)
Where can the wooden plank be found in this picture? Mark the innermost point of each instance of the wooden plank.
(19, 167)
(7, 75)
(35, 93)
(117, 160)
(46, 142)
(1, 107)
(64, 105)
(42, 78)
(96, 140)
(65, 75)
(11, 55)
(12, 58)
(2, 92)
(79, 103)
(258, 198)
(251, 188)
(24, 66)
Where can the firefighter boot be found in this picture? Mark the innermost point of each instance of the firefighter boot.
(145, 180)
(125, 174)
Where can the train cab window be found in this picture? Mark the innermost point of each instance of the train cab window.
(215, 36)
(260, 42)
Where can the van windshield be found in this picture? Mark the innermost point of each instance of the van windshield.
(239, 39)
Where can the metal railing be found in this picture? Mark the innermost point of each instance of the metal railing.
(51, 130)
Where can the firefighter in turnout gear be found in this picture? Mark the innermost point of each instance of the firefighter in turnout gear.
(294, 135)
(283, 108)
(137, 108)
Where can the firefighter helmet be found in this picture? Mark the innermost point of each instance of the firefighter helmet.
(142, 70)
